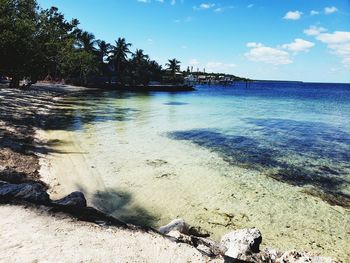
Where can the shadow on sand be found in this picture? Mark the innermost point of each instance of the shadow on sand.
(23, 111)
(119, 204)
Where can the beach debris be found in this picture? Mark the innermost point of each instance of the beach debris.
(75, 199)
(177, 224)
(156, 163)
(240, 243)
(31, 192)
(179, 237)
(301, 257)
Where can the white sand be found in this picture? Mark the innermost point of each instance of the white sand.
(30, 234)
(34, 235)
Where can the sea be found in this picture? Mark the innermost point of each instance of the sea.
(268, 154)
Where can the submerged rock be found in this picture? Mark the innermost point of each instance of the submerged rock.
(177, 224)
(31, 192)
(240, 243)
(75, 199)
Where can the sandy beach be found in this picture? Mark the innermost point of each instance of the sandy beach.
(30, 234)
(33, 234)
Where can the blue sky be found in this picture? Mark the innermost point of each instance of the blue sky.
(306, 40)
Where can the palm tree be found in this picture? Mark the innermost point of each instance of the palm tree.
(139, 56)
(87, 41)
(156, 70)
(120, 54)
(103, 52)
(174, 66)
(103, 49)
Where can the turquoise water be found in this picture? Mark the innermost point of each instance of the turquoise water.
(271, 155)
(298, 133)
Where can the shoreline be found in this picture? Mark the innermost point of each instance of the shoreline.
(20, 219)
(44, 162)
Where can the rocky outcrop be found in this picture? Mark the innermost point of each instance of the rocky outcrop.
(73, 204)
(75, 199)
(175, 225)
(239, 246)
(241, 243)
(30, 192)
(301, 257)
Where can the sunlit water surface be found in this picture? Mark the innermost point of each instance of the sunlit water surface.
(272, 155)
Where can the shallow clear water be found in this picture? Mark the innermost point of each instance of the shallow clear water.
(271, 155)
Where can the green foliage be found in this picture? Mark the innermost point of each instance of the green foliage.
(173, 65)
(18, 38)
(54, 32)
(76, 65)
(40, 44)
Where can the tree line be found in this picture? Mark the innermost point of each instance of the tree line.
(40, 44)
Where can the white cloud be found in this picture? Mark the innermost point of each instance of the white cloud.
(335, 38)
(330, 10)
(299, 45)
(219, 66)
(346, 62)
(206, 5)
(269, 55)
(314, 31)
(144, 1)
(338, 43)
(293, 15)
(254, 44)
(193, 62)
(314, 12)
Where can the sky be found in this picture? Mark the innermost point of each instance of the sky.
(305, 40)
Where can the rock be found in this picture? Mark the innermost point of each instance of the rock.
(180, 237)
(238, 244)
(31, 192)
(177, 224)
(206, 250)
(302, 257)
(207, 246)
(75, 199)
(198, 232)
